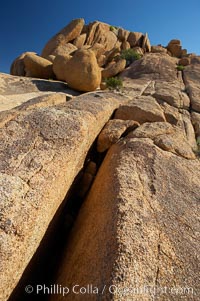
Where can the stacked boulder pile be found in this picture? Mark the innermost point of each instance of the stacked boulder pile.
(100, 189)
(82, 54)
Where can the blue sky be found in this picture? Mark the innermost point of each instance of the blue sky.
(27, 25)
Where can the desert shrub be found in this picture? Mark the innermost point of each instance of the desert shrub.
(130, 55)
(114, 83)
(180, 67)
(113, 28)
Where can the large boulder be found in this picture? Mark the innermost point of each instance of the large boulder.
(146, 45)
(136, 236)
(59, 66)
(135, 39)
(80, 40)
(18, 67)
(98, 49)
(67, 34)
(41, 152)
(109, 40)
(100, 33)
(154, 66)
(81, 72)
(64, 49)
(152, 130)
(125, 45)
(184, 61)
(112, 132)
(158, 49)
(110, 55)
(123, 34)
(171, 113)
(174, 46)
(141, 109)
(171, 93)
(101, 60)
(36, 66)
(94, 30)
(167, 137)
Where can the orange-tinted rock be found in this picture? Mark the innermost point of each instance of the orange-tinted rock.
(158, 49)
(36, 66)
(138, 225)
(18, 67)
(154, 66)
(59, 66)
(81, 72)
(80, 40)
(112, 132)
(135, 39)
(141, 109)
(123, 34)
(67, 34)
(175, 48)
(146, 46)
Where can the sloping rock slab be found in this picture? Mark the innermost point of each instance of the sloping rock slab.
(137, 229)
(43, 101)
(172, 93)
(16, 90)
(112, 132)
(141, 109)
(135, 87)
(11, 85)
(67, 34)
(167, 137)
(9, 102)
(153, 66)
(41, 152)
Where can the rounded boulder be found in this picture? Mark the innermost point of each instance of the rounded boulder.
(36, 66)
(81, 72)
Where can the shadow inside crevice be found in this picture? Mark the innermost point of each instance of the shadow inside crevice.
(54, 86)
(44, 265)
(45, 262)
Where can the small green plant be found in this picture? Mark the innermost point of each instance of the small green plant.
(114, 83)
(180, 67)
(130, 55)
(113, 28)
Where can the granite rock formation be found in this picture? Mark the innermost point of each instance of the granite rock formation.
(100, 188)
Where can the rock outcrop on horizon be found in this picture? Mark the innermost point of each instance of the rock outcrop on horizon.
(99, 191)
(79, 38)
(76, 37)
